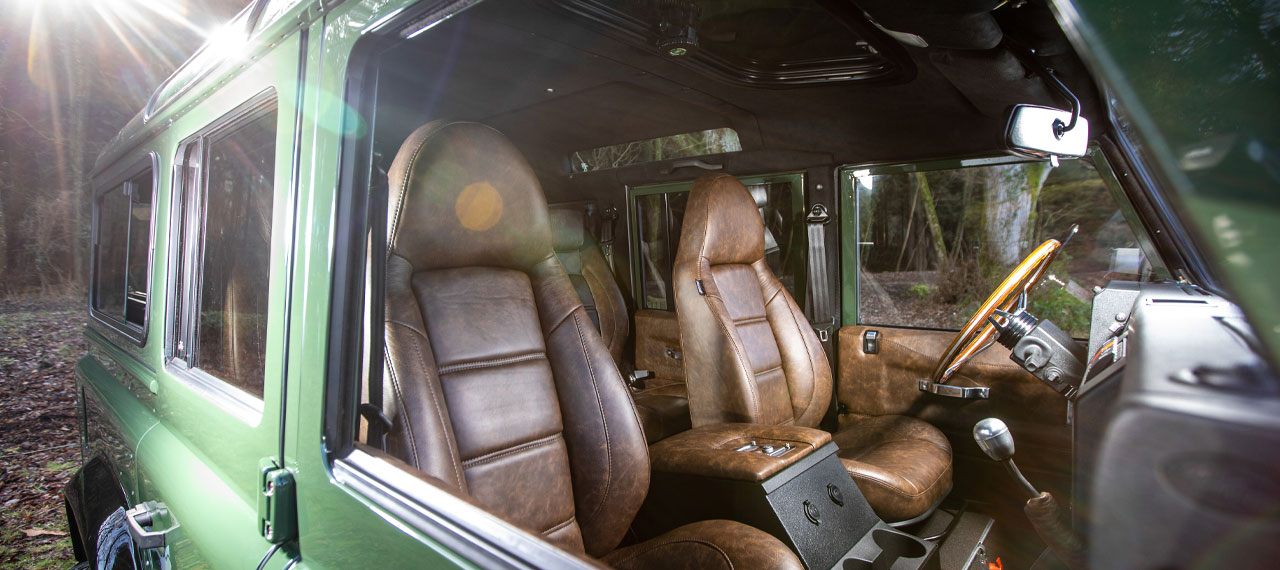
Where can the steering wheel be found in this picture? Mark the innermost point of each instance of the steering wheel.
(978, 333)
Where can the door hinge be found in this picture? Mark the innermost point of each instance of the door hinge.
(277, 502)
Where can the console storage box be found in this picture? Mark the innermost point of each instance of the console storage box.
(784, 480)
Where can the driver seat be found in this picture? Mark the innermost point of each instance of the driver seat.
(750, 356)
(498, 387)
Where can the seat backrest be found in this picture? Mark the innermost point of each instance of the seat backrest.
(749, 353)
(591, 277)
(495, 381)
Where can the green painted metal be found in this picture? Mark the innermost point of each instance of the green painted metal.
(1200, 99)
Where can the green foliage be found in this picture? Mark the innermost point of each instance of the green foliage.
(920, 291)
(1070, 313)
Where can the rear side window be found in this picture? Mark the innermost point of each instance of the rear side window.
(223, 275)
(700, 143)
(122, 252)
(659, 217)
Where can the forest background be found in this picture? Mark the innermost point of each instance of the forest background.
(72, 73)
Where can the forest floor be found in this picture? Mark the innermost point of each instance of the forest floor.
(40, 342)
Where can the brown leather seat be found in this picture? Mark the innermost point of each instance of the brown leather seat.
(496, 383)
(591, 277)
(663, 405)
(750, 356)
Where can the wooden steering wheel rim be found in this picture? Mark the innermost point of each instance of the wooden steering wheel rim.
(977, 332)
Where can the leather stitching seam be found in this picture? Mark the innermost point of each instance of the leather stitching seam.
(518, 448)
(451, 445)
(656, 546)
(558, 526)
(491, 363)
(408, 423)
(604, 420)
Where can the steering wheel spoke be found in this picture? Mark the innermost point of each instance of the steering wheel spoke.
(980, 331)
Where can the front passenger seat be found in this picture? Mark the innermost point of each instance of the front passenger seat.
(750, 356)
(496, 382)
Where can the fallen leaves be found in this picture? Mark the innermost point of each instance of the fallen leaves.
(38, 435)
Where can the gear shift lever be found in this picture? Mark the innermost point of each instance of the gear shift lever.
(1042, 510)
(994, 439)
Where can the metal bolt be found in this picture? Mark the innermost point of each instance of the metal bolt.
(1121, 317)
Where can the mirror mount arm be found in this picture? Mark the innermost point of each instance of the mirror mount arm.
(1028, 58)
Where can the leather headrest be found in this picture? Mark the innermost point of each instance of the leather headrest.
(462, 195)
(567, 233)
(722, 210)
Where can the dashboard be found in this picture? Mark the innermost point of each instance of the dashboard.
(1176, 434)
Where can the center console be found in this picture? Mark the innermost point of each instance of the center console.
(784, 480)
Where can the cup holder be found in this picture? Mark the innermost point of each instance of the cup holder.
(893, 547)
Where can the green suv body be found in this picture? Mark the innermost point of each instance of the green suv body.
(220, 398)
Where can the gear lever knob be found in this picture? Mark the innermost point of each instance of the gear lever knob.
(994, 439)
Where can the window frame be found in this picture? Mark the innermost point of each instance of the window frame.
(187, 210)
(137, 335)
(795, 178)
(851, 231)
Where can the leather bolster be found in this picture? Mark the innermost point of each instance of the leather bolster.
(708, 450)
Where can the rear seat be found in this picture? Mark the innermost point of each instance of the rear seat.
(663, 401)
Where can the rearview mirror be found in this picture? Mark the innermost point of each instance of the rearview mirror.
(1042, 132)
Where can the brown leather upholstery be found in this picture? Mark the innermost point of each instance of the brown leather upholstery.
(591, 277)
(713, 544)
(663, 405)
(710, 450)
(751, 356)
(497, 384)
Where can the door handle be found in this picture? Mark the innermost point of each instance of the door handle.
(962, 392)
(142, 515)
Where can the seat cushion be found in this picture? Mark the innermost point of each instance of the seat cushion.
(663, 407)
(714, 544)
(902, 465)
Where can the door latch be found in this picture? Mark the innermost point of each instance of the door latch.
(143, 515)
(277, 503)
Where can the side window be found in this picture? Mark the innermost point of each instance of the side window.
(122, 252)
(659, 217)
(933, 243)
(223, 274)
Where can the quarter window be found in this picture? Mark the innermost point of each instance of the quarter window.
(122, 248)
(933, 243)
(221, 313)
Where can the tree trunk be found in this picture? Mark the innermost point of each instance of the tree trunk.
(931, 214)
(1011, 192)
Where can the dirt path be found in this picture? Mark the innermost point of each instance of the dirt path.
(39, 441)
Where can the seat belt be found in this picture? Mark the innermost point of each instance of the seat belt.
(608, 218)
(820, 298)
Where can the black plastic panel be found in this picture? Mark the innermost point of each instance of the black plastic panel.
(1187, 435)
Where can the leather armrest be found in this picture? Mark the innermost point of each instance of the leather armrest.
(709, 450)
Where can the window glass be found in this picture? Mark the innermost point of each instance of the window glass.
(660, 217)
(113, 254)
(123, 250)
(235, 263)
(933, 244)
(701, 143)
